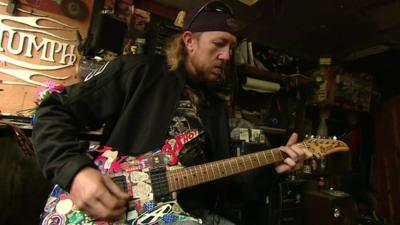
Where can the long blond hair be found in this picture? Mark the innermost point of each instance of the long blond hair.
(175, 51)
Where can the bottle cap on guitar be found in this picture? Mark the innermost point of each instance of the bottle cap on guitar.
(64, 206)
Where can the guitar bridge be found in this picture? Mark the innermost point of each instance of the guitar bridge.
(159, 183)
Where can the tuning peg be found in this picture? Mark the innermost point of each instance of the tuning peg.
(334, 138)
(312, 136)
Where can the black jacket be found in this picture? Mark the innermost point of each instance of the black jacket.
(134, 97)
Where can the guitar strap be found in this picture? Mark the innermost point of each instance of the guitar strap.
(23, 141)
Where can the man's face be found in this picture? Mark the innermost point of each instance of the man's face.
(208, 54)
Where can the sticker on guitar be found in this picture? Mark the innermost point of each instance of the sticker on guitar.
(151, 182)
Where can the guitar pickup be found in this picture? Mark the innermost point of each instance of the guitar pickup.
(159, 183)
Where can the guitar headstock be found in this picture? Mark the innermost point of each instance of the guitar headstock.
(320, 147)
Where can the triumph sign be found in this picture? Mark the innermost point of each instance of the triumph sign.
(34, 49)
(24, 41)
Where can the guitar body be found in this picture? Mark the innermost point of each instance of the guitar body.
(152, 180)
(137, 176)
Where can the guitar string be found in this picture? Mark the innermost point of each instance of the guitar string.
(245, 160)
(190, 176)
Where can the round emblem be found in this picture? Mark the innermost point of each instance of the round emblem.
(64, 206)
(54, 219)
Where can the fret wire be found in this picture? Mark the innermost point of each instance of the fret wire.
(265, 157)
(254, 159)
(171, 180)
(200, 174)
(194, 175)
(205, 172)
(258, 159)
(223, 167)
(180, 178)
(240, 164)
(185, 177)
(230, 165)
(184, 180)
(211, 167)
(170, 183)
(273, 155)
(212, 170)
(190, 176)
(243, 165)
(223, 164)
(237, 163)
(251, 161)
(196, 180)
(175, 179)
(208, 174)
(219, 171)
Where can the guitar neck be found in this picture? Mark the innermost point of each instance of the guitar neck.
(194, 175)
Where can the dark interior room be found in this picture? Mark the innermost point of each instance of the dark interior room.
(326, 70)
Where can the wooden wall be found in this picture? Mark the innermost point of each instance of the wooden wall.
(388, 159)
(34, 46)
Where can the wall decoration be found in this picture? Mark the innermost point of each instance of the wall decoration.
(74, 9)
(36, 47)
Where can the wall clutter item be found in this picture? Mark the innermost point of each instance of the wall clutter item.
(36, 47)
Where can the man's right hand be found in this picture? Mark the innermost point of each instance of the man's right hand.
(97, 195)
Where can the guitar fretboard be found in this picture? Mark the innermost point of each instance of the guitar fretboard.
(194, 175)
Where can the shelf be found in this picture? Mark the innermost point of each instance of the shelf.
(271, 130)
(263, 75)
(290, 81)
(337, 107)
(287, 209)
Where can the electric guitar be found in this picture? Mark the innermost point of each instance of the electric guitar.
(152, 182)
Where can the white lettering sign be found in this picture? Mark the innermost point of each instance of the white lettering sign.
(19, 37)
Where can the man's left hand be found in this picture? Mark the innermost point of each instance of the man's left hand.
(296, 156)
